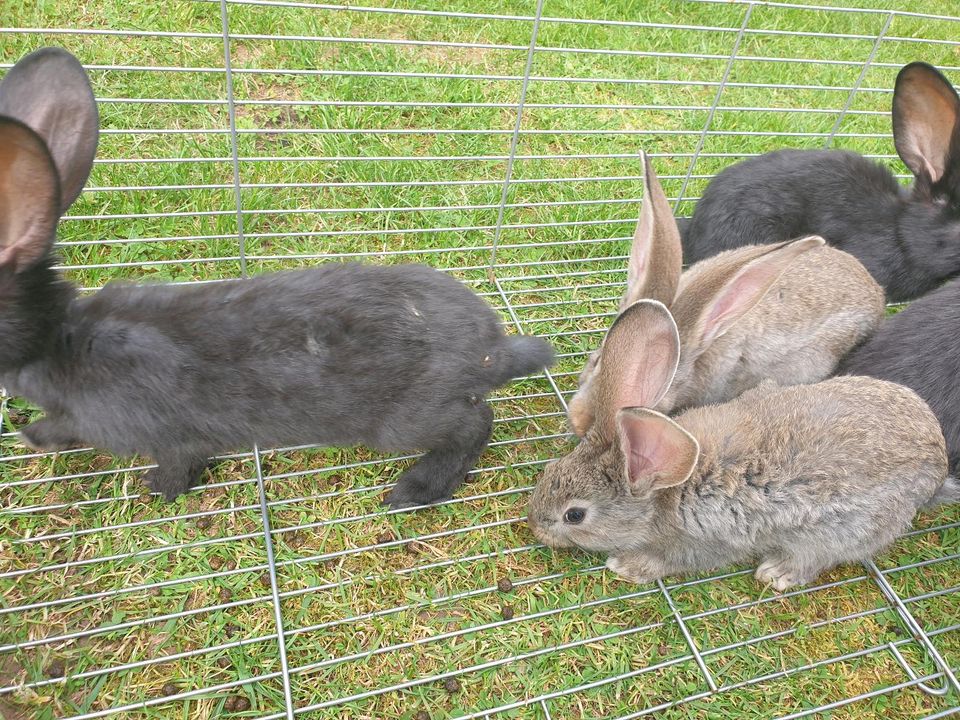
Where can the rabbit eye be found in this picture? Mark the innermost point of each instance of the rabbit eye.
(574, 516)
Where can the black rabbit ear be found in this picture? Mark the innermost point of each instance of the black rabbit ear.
(926, 112)
(48, 91)
(29, 196)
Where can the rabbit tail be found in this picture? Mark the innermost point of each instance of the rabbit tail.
(949, 492)
(521, 355)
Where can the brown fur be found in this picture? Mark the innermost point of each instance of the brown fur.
(814, 305)
(802, 478)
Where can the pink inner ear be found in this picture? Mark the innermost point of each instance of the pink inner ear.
(639, 464)
(658, 452)
(749, 285)
(29, 196)
(928, 138)
(647, 450)
(640, 248)
(649, 378)
(925, 114)
(729, 306)
(639, 258)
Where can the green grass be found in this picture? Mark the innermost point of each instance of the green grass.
(342, 562)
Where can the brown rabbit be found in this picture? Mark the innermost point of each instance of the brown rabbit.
(786, 312)
(802, 478)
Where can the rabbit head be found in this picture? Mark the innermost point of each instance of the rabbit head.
(48, 138)
(852, 458)
(706, 301)
(605, 492)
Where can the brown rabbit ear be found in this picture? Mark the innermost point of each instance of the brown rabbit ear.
(926, 110)
(656, 256)
(48, 91)
(657, 452)
(638, 360)
(580, 409)
(716, 303)
(29, 196)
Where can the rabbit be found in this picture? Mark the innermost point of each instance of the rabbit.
(920, 347)
(804, 477)
(397, 358)
(786, 312)
(909, 240)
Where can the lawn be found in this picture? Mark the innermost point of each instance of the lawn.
(384, 136)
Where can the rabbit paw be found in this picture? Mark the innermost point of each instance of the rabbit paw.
(172, 478)
(781, 574)
(409, 495)
(49, 435)
(170, 485)
(635, 568)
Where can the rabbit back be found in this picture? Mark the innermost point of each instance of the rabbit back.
(844, 463)
(920, 347)
(852, 202)
(336, 355)
(824, 304)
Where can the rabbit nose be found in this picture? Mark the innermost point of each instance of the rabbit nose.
(543, 521)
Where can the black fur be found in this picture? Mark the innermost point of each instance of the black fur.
(920, 347)
(909, 241)
(31, 306)
(397, 358)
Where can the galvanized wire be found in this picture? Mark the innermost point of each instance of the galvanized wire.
(544, 260)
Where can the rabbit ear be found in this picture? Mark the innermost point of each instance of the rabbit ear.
(716, 303)
(926, 116)
(637, 362)
(657, 452)
(580, 409)
(48, 91)
(656, 256)
(29, 196)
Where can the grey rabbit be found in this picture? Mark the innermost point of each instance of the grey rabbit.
(909, 240)
(786, 312)
(802, 478)
(397, 358)
(920, 347)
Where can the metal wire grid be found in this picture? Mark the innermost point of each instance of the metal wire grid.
(327, 543)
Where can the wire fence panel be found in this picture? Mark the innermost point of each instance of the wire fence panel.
(498, 142)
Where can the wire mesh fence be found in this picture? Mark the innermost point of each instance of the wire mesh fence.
(242, 136)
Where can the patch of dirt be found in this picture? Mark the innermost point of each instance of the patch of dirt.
(440, 55)
(272, 116)
(242, 53)
(284, 116)
(11, 674)
(442, 616)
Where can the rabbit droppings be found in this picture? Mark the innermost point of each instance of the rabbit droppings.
(802, 478)
(397, 358)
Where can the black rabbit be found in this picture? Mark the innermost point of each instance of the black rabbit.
(920, 347)
(398, 358)
(909, 240)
